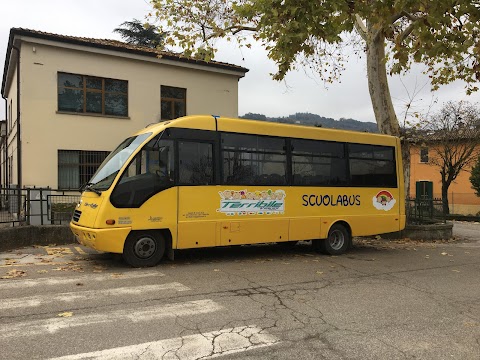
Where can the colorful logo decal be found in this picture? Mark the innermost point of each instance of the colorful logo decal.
(384, 200)
(243, 202)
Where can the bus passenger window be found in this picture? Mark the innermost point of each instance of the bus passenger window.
(196, 163)
(318, 163)
(372, 165)
(253, 160)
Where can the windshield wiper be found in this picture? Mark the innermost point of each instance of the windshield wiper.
(88, 187)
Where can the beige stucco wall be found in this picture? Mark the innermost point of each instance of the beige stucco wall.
(44, 131)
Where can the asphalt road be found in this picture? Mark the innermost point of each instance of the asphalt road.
(383, 300)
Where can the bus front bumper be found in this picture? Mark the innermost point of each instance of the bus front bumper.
(107, 240)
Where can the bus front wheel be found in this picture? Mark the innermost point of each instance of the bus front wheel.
(337, 242)
(143, 249)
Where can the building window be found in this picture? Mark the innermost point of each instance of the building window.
(424, 155)
(92, 95)
(173, 102)
(76, 167)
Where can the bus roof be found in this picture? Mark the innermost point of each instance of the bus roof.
(207, 122)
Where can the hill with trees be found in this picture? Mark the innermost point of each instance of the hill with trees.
(309, 119)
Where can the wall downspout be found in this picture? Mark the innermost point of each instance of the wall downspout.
(5, 170)
(19, 143)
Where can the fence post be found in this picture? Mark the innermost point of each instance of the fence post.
(27, 207)
(41, 206)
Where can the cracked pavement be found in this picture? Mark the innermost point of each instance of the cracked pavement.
(383, 300)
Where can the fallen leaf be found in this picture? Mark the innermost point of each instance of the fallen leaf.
(65, 314)
(444, 253)
(42, 271)
(216, 270)
(14, 274)
(456, 270)
(99, 269)
(116, 275)
(320, 272)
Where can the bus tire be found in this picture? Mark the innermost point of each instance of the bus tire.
(144, 249)
(337, 243)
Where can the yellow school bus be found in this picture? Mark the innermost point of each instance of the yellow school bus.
(205, 181)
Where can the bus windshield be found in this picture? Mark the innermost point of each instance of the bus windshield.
(110, 167)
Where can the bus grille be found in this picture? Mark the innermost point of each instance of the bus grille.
(76, 215)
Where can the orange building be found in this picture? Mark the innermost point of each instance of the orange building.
(425, 180)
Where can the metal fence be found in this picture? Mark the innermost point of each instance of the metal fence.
(36, 206)
(425, 211)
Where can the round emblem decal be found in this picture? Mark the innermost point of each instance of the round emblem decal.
(384, 200)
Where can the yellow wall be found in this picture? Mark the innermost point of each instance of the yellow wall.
(44, 131)
(460, 191)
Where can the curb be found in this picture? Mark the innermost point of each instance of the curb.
(423, 232)
(24, 236)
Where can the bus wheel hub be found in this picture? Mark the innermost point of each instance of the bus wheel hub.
(145, 247)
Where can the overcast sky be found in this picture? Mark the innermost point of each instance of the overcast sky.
(258, 93)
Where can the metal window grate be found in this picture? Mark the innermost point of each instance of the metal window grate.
(76, 167)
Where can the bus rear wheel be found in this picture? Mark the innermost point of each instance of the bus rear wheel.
(144, 249)
(337, 242)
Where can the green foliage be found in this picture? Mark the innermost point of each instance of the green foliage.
(136, 33)
(475, 177)
(443, 34)
(64, 207)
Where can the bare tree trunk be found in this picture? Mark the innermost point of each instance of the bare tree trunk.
(406, 167)
(383, 109)
(445, 205)
(378, 85)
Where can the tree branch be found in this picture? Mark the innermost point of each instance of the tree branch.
(360, 27)
(414, 20)
(233, 30)
(397, 17)
(404, 34)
